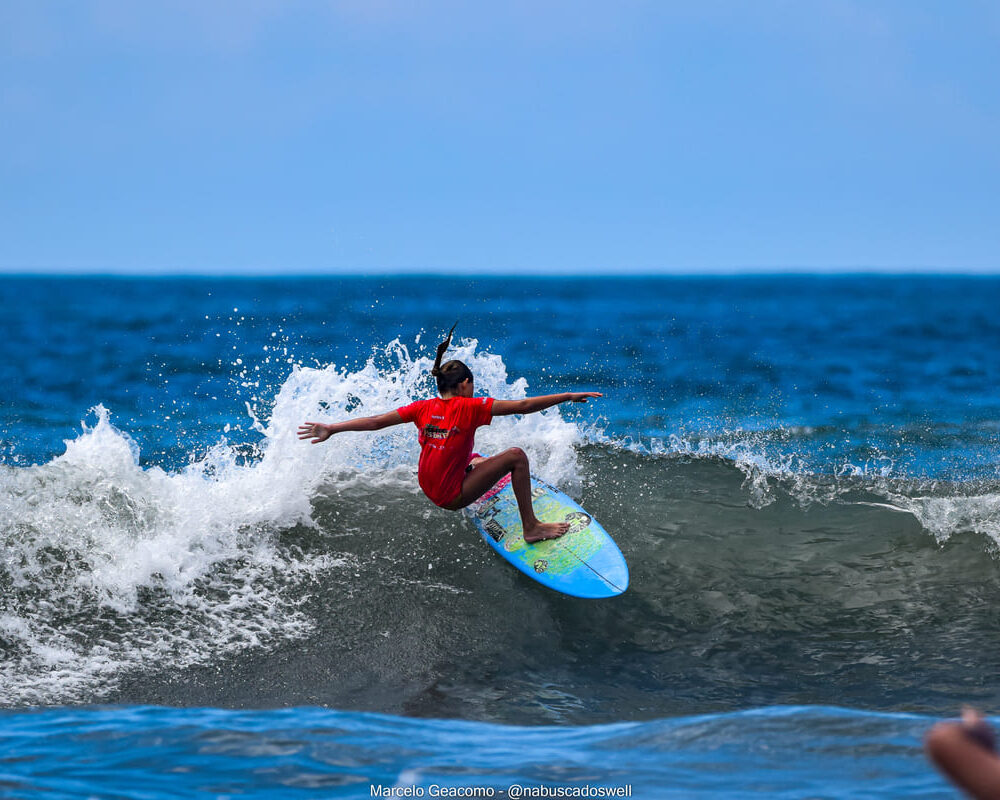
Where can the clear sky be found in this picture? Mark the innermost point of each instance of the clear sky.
(287, 136)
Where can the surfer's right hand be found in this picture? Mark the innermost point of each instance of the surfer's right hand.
(582, 397)
(317, 431)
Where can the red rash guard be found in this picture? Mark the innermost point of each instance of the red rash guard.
(447, 429)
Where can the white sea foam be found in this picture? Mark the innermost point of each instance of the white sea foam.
(109, 567)
(946, 515)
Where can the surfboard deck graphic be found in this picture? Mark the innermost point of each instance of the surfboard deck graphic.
(585, 562)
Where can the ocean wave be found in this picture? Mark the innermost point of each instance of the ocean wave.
(746, 565)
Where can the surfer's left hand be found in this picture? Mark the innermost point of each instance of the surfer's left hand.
(318, 430)
(582, 397)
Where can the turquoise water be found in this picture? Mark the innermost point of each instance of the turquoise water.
(148, 752)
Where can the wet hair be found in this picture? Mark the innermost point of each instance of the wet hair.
(452, 373)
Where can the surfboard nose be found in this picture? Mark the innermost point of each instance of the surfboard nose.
(610, 571)
(594, 589)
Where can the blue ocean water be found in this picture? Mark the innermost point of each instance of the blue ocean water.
(142, 751)
(801, 470)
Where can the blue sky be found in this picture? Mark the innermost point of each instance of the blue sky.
(281, 136)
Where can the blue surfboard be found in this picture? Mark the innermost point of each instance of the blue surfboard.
(585, 562)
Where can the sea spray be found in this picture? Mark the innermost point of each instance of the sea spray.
(336, 393)
(110, 566)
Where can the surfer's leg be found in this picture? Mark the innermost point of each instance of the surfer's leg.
(486, 472)
(520, 482)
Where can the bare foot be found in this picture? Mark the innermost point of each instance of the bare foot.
(545, 530)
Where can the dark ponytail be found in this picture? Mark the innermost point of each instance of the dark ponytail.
(452, 373)
(442, 348)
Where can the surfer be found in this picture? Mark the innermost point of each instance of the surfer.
(449, 473)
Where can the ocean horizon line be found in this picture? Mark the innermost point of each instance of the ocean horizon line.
(916, 272)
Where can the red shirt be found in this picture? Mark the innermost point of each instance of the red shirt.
(447, 429)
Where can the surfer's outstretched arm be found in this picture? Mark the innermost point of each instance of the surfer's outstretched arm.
(528, 405)
(320, 432)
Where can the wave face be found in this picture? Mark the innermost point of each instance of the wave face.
(262, 588)
(850, 600)
(199, 554)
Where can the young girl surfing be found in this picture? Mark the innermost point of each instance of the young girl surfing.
(450, 474)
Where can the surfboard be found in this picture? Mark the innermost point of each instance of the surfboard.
(584, 562)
